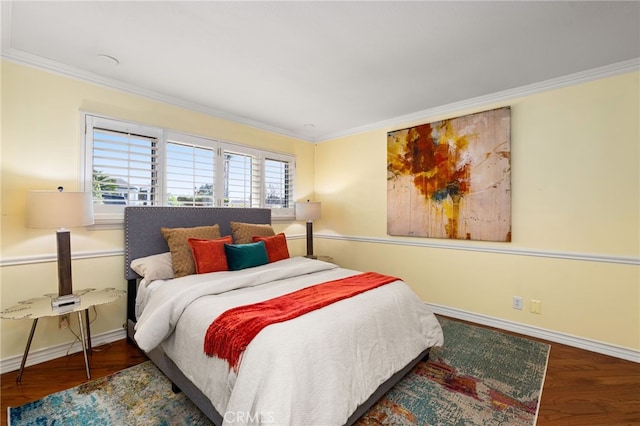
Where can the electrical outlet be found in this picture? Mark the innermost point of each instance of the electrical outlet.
(535, 306)
(517, 302)
(63, 321)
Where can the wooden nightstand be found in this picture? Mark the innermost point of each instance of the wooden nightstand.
(39, 307)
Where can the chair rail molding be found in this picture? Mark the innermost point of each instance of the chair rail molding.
(52, 257)
(517, 251)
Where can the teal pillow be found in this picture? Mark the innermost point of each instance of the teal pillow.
(241, 256)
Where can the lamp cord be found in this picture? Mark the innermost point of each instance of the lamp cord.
(78, 338)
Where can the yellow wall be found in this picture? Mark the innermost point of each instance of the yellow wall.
(575, 190)
(575, 184)
(41, 141)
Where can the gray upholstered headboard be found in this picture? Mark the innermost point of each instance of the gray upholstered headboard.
(142, 236)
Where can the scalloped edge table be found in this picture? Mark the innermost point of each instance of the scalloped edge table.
(40, 307)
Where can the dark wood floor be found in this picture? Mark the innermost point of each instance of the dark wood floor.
(581, 388)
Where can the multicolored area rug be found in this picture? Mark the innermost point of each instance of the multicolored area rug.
(479, 377)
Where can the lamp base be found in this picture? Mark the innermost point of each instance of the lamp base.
(310, 240)
(311, 256)
(63, 239)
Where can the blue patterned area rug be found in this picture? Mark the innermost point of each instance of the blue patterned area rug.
(479, 377)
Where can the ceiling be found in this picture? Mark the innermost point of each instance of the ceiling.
(317, 70)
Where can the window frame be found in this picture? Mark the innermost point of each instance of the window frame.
(187, 140)
(114, 214)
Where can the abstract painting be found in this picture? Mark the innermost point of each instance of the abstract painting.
(451, 178)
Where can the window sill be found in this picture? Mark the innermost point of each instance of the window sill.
(106, 225)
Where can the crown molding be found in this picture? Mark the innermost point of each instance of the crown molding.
(498, 97)
(38, 62)
(34, 61)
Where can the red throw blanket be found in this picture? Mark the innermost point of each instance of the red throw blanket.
(229, 335)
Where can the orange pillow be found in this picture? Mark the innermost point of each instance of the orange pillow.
(209, 255)
(276, 246)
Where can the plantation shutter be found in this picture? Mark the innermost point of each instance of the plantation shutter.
(130, 164)
(242, 172)
(255, 178)
(190, 171)
(278, 183)
(124, 168)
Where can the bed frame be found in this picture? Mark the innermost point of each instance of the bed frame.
(143, 238)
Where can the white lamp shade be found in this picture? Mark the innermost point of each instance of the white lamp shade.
(307, 211)
(55, 209)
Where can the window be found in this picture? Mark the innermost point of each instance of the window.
(191, 168)
(131, 165)
(278, 183)
(241, 182)
(255, 178)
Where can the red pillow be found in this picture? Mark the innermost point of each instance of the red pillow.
(276, 246)
(209, 255)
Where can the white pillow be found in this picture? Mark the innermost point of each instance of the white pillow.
(155, 267)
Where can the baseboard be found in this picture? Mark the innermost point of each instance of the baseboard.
(552, 336)
(47, 354)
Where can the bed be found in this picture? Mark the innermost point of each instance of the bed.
(328, 366)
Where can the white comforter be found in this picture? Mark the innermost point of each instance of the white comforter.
(313, 370)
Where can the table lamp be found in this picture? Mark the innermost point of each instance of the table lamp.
(62, 210)
(308, 211)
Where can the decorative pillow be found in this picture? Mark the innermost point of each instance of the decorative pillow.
(276, 247)
(243, 232)
(241, 256)
(209, 255)
(154, 267)
(181, 255)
